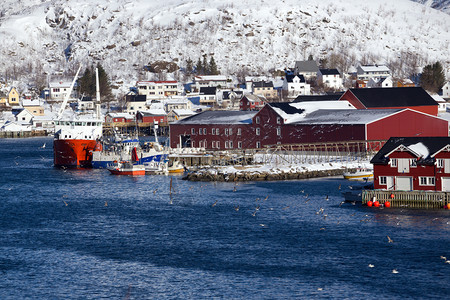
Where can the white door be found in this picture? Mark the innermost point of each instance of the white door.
(403, 165)
(445, 184)
(403, 183)
(446, 165)
(389, 183)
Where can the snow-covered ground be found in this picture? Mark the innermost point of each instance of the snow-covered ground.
(54, 36)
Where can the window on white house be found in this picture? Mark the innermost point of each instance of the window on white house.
(383, 180)
(426, 181)
(393, 162)
(258, 131)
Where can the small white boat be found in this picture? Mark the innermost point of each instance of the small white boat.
(176, 167)
(126, 168)
(360, 174)
(156, 168)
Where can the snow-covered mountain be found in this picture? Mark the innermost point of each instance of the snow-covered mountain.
(443, 5)
(51, 36)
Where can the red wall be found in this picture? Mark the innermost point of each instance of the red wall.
(407, 123)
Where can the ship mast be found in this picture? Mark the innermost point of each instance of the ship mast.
(97, 104)
(66, 98)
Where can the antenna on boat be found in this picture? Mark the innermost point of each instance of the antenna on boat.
(66, 98)
(97, 95)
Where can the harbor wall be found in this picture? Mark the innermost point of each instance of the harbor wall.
(260, 176)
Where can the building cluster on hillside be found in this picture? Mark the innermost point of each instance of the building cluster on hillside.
(258, 112)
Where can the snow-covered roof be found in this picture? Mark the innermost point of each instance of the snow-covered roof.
(375, 68)
(156, 112)
(121, 115)
(211, 78)
(297, 111)
(60, 84)
(220, 117)
(420, 149)
(346, 116)
(27, 102)
(183, 112)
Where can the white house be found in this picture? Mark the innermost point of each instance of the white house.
(219, 81)
(177, 103)
(330, 78)
(367, 72)
(384, 82)
(446, 90)
(295, 85)
(59, 90)
(24, 117)
(208, 96)
(158, 89)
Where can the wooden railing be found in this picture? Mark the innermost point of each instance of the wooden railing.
(408, 199)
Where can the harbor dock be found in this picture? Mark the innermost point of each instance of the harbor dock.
(408, 199)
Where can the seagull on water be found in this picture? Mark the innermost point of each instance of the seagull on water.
(394, 271)
(371, 266)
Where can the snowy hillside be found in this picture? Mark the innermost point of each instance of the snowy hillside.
(443, 5)
(54, 36)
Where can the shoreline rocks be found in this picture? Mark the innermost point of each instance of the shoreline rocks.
(261, 176)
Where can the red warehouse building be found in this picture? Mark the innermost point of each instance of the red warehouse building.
(300, 123)
(413, 163)
(392, 98)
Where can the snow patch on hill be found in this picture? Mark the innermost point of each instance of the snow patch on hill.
(54, 36)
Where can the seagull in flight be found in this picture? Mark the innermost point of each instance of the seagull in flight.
(390, 240)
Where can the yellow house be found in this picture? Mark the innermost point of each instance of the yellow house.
(34, 107)
(13, 97)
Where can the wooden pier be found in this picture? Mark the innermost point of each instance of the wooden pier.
(408, 199)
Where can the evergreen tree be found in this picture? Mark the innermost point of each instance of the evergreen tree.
(105, 84)
(87, 84)
(199, 67)
(433, 77)
(189, 66)
(213, 67)
(205, 66)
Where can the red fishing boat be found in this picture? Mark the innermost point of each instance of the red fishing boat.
(76, 136)
(126, 168)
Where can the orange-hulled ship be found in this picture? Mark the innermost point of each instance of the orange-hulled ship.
(74, 142)
(76, 136)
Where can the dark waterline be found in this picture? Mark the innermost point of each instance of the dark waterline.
(86, 234)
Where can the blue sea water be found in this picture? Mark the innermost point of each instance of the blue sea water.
(86, 234)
